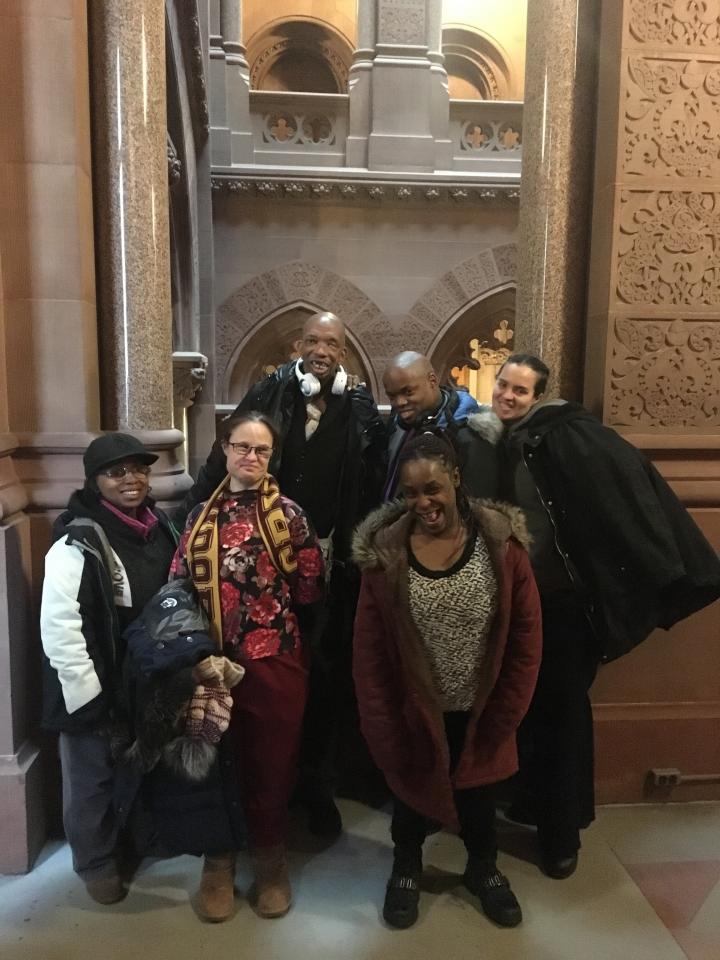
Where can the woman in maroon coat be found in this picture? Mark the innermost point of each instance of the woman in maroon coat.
(446, 654)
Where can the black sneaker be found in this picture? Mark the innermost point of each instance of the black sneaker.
(498, 901)
(402, 896)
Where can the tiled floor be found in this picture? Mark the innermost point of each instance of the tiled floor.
(647, 888)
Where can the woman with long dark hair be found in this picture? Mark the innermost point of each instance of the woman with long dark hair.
(446, 654)
(258, 570)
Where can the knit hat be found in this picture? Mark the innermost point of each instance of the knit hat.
(208, 713)
(112, 448)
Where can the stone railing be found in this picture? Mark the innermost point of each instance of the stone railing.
(299, 129)
(486, 135)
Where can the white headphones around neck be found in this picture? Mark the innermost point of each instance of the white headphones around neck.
(310, 386)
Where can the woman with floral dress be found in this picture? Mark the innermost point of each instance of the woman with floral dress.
(258, 571)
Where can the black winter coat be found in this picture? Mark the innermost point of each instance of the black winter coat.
(80, 624)
(365, 461)
(635, 555)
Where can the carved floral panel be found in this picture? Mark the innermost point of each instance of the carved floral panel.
(672, 118)
(676, 23)
(665, 373)
(402, 21)
(669, 248)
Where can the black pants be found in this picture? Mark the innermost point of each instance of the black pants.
(333, 752)
(556, 779)
(475, 809)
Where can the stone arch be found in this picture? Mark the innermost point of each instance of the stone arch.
(470, 281)
(299, 54)
(477, 66)
(295, 284)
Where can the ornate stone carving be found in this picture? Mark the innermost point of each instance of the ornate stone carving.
(669, 248)
(665, 373)
(489, 137)
(191, 39)
(313, 188)
(402, 21)
(672, 118)
(686, 23)
(292, 283)
(264, 61)
(291, 129)
(466, 282)
(189, 371)
(174, 163)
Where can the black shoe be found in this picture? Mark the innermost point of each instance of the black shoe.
(324, 818)
(401, 901)
(498, 901)
(559, 868)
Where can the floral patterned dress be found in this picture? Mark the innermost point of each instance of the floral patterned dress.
(258, 616)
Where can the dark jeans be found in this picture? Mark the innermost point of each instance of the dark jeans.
(475, 809)
(91, 824)
(556, 779)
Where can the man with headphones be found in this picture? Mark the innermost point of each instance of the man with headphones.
(331, 460)
(419, 403)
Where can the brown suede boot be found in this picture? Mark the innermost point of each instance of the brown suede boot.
(216, 896)
(271, 895)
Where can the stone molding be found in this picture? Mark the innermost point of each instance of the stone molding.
(191, 39)
(364, 190)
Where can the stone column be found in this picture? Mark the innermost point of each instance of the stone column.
(237, 82)
(127, 41)
(403, 132)
(230, 127)
(440, 95)
(556, 188)
(49, 404)
(359, 87)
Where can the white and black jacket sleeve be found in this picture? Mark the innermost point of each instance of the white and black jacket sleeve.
(61, 626)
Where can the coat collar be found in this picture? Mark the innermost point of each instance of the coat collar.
(383, 535)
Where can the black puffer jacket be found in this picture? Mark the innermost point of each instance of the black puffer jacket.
(365, 452)
(99, 574)
(636, 557)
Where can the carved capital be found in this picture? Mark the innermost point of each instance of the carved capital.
(189, 372)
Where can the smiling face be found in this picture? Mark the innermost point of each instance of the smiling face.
(125, 492)
(514, 392)
(412, 391)
(247, 469)
(430, 492)
(322, 346)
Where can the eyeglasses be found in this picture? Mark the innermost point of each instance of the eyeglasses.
(121, 470)
(262, 451)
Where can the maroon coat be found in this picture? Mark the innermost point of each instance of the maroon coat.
(400, 712)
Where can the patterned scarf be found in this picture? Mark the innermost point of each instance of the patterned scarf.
(202, 546)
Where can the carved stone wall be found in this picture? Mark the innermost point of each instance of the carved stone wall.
(654, 327)
(376, 336)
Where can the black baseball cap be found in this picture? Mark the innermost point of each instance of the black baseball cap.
(112, 448)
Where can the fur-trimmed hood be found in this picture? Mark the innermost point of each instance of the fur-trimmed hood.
(384, 532)
(486, 424)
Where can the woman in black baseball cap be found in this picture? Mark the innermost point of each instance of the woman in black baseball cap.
(112, 552)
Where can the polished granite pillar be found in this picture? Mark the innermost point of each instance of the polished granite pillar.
(131, 212)
(556, 188)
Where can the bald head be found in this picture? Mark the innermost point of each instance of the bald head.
(412, 386)
(322, 347)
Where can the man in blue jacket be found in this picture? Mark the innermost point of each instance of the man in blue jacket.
(419, 403)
